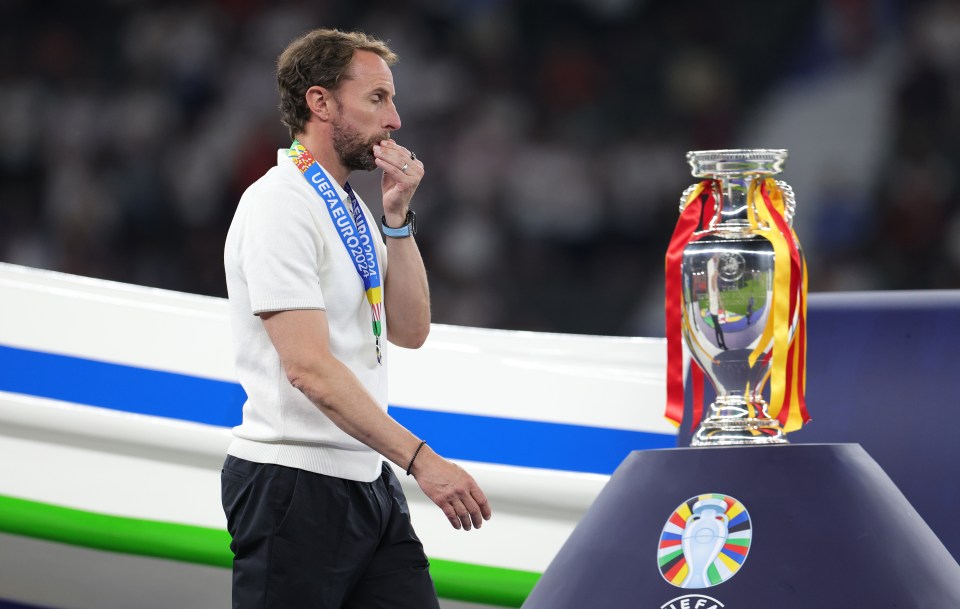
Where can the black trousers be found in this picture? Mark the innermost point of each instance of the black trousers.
(307, 541)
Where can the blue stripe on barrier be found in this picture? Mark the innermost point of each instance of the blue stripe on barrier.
(486, 439)
(575, 448)
(119, 387)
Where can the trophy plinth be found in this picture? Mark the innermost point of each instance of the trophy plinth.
(743, 528)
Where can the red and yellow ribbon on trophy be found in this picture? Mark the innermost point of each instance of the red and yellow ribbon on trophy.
(766, 211)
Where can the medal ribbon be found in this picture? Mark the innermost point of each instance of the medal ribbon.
(690, 219)
(353, 230)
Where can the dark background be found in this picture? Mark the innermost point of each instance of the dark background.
(553, 134)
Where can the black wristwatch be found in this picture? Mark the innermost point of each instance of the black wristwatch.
(408, 229)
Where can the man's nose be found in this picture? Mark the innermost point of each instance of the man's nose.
(392, 119)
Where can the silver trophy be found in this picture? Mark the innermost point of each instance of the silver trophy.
(727, 280)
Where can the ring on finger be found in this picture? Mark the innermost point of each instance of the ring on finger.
(413, 155)
(404, 168)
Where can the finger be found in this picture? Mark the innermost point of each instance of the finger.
(394, 170)
(451, 514)
(393, 152)
(485, 510)
(463, 514)
(400, 149)
(406, 155)
(476, 517)
(472, 505)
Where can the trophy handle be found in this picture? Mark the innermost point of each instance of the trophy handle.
(683, 197)
(789, 200)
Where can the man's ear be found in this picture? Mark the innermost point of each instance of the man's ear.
(321, 102)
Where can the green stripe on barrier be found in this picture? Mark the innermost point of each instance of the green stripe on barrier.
(186, 543)
(206, 546)
(481, 584)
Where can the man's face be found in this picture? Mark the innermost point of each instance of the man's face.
(365, 111)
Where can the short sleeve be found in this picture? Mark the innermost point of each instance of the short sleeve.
(280, 254)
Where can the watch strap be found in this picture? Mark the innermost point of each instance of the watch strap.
(408, 229)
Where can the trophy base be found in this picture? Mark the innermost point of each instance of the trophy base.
(738, 432)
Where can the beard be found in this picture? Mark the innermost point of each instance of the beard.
(355, 151)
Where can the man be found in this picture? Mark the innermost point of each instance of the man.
(713, 297)
(316, 515)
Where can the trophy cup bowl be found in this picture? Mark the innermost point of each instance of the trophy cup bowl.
(727, 273)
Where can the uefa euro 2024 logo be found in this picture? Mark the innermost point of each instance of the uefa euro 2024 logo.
(705, 541)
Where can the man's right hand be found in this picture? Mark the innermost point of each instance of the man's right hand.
(452, 489)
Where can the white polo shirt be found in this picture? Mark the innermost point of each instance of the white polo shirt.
(283, 252)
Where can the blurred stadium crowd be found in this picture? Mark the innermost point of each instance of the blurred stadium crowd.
(553, 133)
